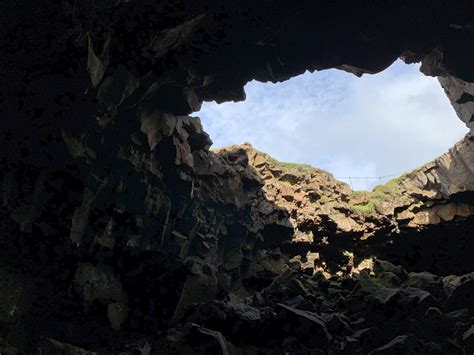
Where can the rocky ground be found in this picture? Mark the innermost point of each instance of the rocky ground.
(297, 274)
(384, 310)
(122, 233)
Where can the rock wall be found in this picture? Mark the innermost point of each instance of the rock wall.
(461, 95)
(115, 216)
(147, 222)
(335, 228)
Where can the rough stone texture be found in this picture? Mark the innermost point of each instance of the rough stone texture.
(118, 225)
(333, 224)
(461, 95)
(150, 225)
(445, 177)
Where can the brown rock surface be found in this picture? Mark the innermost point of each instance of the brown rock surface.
(323, 210)
(121, 233)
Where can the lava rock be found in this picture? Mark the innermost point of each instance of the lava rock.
(301, 323)
(402, 344)
(50, 346)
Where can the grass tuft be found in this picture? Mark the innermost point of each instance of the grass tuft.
(324, 199)
(381, 194)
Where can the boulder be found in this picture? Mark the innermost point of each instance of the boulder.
(199, 287)
(381, 266)
(468, 339)
(402, 344)
(403, 298)
(117, 313)
(195, 339)
(301, 323)
(98, 282)
(137, 348)
(460, 292)
(51, 346)
(425, 281)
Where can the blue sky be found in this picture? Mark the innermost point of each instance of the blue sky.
(377, 125)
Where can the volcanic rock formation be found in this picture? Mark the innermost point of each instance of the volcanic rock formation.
(327, 214)
(121, 232)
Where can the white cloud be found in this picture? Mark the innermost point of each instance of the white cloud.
(376, 125)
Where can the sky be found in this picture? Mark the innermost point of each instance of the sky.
(377, 125)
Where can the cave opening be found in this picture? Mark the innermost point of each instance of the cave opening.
(123, 233)
(365, 131)
(390, 137)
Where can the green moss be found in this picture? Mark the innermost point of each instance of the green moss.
(281, 164)
(289, 165)
(388, 191)
(324, 199)
(285, 182)
(360, 194)
(392, 186)
(391, 191)
(367, 208)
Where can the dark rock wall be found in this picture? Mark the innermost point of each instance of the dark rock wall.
(115, 216)
(70, 62)
(145, 222)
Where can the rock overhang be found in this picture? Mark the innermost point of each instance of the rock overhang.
(148, 206)
(178, 54)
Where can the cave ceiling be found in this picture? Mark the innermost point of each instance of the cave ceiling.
(117, 219)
